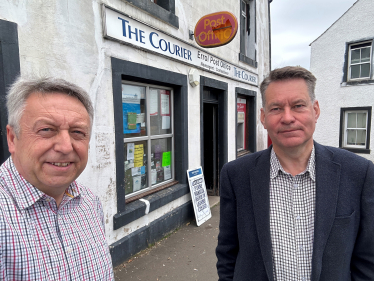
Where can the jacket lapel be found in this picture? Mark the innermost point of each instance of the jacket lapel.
(259, 183)
(327, 188)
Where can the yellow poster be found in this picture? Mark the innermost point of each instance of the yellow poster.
(138, 155)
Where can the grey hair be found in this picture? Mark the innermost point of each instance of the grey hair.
(288, 73)
(22, 88)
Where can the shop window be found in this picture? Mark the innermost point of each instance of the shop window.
(248, 32)
(240, 124)
(359, 61)
(161, 9)
(148, 136)
(245, 121)
(355, 129)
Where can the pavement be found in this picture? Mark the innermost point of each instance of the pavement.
(186, 254)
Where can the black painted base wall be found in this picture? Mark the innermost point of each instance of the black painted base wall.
(147, 235)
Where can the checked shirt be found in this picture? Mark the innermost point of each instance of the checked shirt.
(292, 205)
(39, 241)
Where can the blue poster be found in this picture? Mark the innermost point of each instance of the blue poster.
(130, 107)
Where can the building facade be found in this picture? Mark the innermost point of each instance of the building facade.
(342, 61)
(163, 104)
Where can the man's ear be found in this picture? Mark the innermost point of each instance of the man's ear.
(316, 109)
(11, 138)
(263, 117)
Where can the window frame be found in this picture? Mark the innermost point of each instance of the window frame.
(126, 70)
(250, 120)
(247, 29)
(346, 81)
(163, 10)
(350, 49)
(149, 137)
(365, 149)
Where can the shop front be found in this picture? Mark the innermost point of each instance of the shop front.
(163, 103)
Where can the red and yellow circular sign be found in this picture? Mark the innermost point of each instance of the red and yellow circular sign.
(216, 29)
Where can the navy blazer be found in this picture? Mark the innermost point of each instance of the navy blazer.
(343, 247)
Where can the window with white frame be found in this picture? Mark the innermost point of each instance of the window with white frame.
(359, 61)
(248, 32)
(148, 136)
(355, 128)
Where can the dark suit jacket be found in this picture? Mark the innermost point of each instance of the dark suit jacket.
(343, 246)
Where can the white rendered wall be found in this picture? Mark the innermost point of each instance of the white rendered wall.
(327, 63)
(64, 38)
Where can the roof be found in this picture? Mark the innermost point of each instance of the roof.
(334, 23)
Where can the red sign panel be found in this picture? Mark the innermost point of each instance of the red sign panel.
(216, 29)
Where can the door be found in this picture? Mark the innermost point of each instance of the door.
(211, 144)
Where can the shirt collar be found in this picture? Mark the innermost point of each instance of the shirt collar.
(24, 193)
(275, 165)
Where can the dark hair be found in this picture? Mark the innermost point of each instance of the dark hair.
(288, 73)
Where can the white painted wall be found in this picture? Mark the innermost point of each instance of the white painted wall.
(327, 62)
(64, 38)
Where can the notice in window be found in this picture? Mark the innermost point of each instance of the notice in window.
(165, 104)
(154, 176)
(136, 171)
(167, 172)
(140, 118)
(165, 122)
(142, 170)
(130, 111)
(166, 159)
(130, 151)
(137, 183)
(153, 102)
(138, 155)
(131, 120)
(158, 151)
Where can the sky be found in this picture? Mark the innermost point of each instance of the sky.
(297, 23)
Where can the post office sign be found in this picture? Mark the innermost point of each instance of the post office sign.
(216, 29)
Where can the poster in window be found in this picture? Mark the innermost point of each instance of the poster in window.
(131, 97)
(138, 155)
(130, 151)
(165, 103)
(167, 172)
(154, 176)
(137, 183)
(153, 102)
(165, 122)
(166, 158)
(130, 112)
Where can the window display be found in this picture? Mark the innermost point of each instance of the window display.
(143, 142)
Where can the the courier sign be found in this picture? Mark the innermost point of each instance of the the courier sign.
(216, 29)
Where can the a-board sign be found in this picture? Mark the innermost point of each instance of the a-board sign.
(216, 29)
(199, 196)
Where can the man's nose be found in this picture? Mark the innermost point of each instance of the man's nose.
(287, 116)
(63, 142)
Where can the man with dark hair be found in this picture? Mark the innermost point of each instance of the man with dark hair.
(51, 227)
(297, 210)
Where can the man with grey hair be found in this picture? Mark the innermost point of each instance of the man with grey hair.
(51, 227)
(297, 210)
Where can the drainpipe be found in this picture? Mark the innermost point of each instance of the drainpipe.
(269, 34)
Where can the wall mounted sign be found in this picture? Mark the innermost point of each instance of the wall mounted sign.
(126, 30)
(216, 29)
(199, 196)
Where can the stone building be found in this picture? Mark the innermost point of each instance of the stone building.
(163, 104)
(342, 61)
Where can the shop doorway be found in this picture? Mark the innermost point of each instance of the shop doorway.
(211, 143)
(213, 131)
(211, 148)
